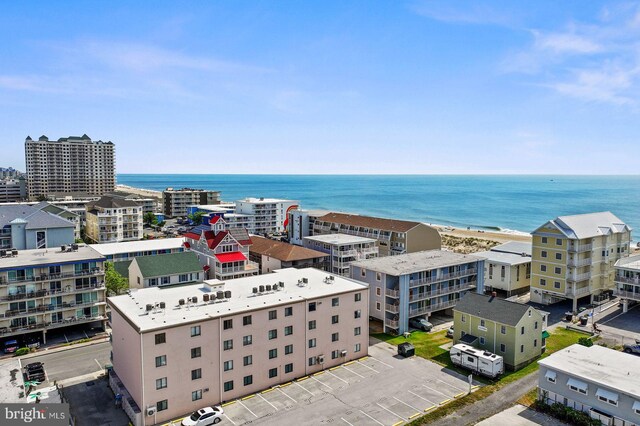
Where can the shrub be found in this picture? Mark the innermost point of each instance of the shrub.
(585, 341)
(21, 351)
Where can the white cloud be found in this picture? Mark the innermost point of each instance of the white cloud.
(462, 12)
(565, 43)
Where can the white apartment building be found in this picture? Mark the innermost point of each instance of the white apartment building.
(301, 224)
(179, 349)
(343, 249)
(43, 289)
(118, 252)
(269, 214)
(114, 219)
(13, 190)
(627, 279)
(73, 164)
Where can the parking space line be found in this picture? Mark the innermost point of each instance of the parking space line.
(458, 395)
(305, 389)
(342, 418)
(322, 383)
(254, 414)
(450, 385)
(445, 401)
(337, 377)
(280, 390)
(435, 390)
(371, 418)
(401, 402)
(348, 369)
(398, 423)
(383, 363)
(248, 397)
(413, 393)
(228, 403)
(98, 363)
(365, 365)
(265, 400)
(386, 409)
(426, 410)
(267, 390)
(229, 418)
(348, 363)
(413, 416)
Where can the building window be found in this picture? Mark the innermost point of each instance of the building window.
(557, 270)
(577, 389)
(535, 343)
(335, 319)
(312, 343)
(503, 347)
(227, 324)
(246, 320)
(551, 379)
(161, 360)
(228, 386)
(288, 311)
(247, 360)
(378, 276)
(503, 329)
(558, 256)
(463, 319)
(522, 330)
(482, 340)
(357, 314)
(162, 405)
(312, 306)
(544, 240)
(377, 306)
(335, 301)
(312, 325)
(196, 374)
(273, 372)
(247, 380)
(273, 334)
(357, 331)
(288, 330)
(273, 314)
(196, 395)
(273, 353)
(335, 354)
(378, 291)
(543, 282)
(543, 268)
(543, 253)
(161, 338)
(247, 340)
(288, 368)
(363, 272)
(228, 365)
(227, 345)
(161, 383)
(195, 331)
(357, 347)
(335, 337)
(556, 284)
(521, 348)
(288, 350)
(196, 352)
(535, 325)
(502, 271)
(357, 297)
(312, 361)
(482, 323)
(558, 241)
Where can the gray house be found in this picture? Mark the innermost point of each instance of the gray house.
(599, 381)
(24, 227)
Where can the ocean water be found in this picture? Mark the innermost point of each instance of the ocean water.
(516, 203)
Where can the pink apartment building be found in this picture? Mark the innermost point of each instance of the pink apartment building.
(179, 349)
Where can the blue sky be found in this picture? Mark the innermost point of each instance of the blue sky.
(328, 87)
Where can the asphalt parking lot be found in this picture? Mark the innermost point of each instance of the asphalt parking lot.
(380, 389)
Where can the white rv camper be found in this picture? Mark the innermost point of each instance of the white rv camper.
(477, 360)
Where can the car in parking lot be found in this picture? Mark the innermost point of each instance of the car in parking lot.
(450, 332)
(633, 348)
(204, 417)
(420, 324)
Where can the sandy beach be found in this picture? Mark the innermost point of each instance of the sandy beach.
(139, 191)
(473, 240)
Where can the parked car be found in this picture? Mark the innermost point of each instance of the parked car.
(204, 416)
(420, 324)
(10, 346)
(632, 348)
(35, 372)
(450, 332)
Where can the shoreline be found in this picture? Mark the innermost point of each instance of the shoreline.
(139, 191)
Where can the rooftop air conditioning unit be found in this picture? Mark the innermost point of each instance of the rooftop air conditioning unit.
(151, 411)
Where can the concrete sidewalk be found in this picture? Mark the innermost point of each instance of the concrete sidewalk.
(58, 348)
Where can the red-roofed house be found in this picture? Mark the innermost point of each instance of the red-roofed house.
(222, 254)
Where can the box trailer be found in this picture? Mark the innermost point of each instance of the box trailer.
(480, 362)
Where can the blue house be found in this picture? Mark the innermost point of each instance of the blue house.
(24, 227)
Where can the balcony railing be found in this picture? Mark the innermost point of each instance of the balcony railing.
(578, 292)
(444, 277)
(633, 295)
(432, 308)
(576, 278)
(391, 323)
(626, 280)
(578, 263)
(392, 293)
(394, 309)
(441, 291)
(580, 248)
(53, 277)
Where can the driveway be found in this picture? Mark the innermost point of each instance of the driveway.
(519, 415)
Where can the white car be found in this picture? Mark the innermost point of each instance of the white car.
(204, 416)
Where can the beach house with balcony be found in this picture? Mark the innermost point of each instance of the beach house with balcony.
(223, 254)
(573, 257)
(507, 269)
(46, 289)
(342, 249)
(627, 279)
(417, 284)
(113, 220)
(393, 236)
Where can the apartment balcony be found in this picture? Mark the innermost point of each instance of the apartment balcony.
(394, 309)
(580, 248)
(248, 267)
(441, 291)
(74, 320)
(431, 280)
(626, 280)
(346, 253)
(579, 292)
(53, 277)
(432, 308)
(576, 278)
(392, 293)
(391, 323)
(575, 263)
(632, 295)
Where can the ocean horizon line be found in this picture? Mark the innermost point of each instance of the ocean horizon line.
(386, 174)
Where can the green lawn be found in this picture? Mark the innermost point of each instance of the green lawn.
(428, 346)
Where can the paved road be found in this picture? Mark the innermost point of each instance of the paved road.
(74, 362)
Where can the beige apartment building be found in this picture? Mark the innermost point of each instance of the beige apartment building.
(573, 257)
(176, 201)
(46, 289)
(393, 236)
(179, 349)
(66, 165)
(113, 220)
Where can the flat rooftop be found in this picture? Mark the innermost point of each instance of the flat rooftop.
(505, 258)
(133, 305)
(11, 381)
(631, 262)
(135, 246)
(514, 247)
(339, 239)
(610, 368)
(254, 200)
(410, 263)
(38, 257)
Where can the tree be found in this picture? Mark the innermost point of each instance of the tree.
(150, 219)
(42, 197)
(196, 218)
(116, 283)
